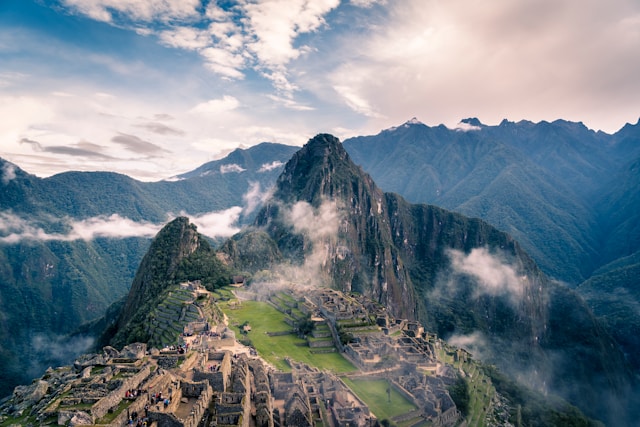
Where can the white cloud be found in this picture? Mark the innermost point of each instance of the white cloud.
(317, 224)
(537, 60)
(494, 276)
(466, 127)
(475, 343)
(366, 3)
(15, 229)
(275, 24)
(270, 166)
(216, 106)
(254, 197)
(148, 10)
(290, 103)
(231, 168)
(224, 62)
(189, 38)
(217, 224)
(356, 102)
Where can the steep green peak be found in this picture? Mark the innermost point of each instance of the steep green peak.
(323, 147)
(320, 169)
(176, 241)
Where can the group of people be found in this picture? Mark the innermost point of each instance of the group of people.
(132, 393)
(136, 420)
(157, 398)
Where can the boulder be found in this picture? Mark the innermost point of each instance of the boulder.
(136, 350)
(25, 397)
(110, 352)
(81, 418)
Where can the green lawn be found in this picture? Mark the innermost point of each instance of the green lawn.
(264, 318)
(374, 394)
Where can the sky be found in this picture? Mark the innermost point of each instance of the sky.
(156, 88)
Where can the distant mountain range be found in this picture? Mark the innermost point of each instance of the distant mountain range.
(566, 194)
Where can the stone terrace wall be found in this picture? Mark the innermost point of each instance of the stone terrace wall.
(100, 408)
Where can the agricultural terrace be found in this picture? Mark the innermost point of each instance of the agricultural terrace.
(263, 319)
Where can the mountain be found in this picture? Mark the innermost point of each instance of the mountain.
(177, 254)
(461, 277)
(55, 277)
(536, 181)
(567, 194)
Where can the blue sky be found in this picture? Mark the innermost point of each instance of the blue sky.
(155, 88)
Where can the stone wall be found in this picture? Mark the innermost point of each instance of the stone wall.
(204, 393)
(100, 408)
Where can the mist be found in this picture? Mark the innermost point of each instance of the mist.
(53, 350)
(493, 275)
(319, 228)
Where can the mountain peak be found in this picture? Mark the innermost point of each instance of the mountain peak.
(473, 121)
(469, 124)
(318, 169)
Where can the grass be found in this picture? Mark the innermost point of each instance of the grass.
(374, 394)
(109, 417)
(265, 318)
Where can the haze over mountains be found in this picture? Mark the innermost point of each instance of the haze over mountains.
(564, 194)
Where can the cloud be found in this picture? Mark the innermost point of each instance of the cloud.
(217, 224)
(160, 129)
(451, 61)
(475, 343)
(316, 224)
(319, 226)
(231, 168)
(254, 197)
(138, 145)
(270, 166)
(55, 350)
(82, 149)
(34, 144)
(216, 106)
(290, 103)
(275, 24)
(163, 10)
(366, 3)
(14, 229)
(8, 172)
(466, 127)
(355, 101)
(231, 39)
(493, 275)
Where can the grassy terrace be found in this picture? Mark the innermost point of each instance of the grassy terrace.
(265, 318)
(374, 394)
